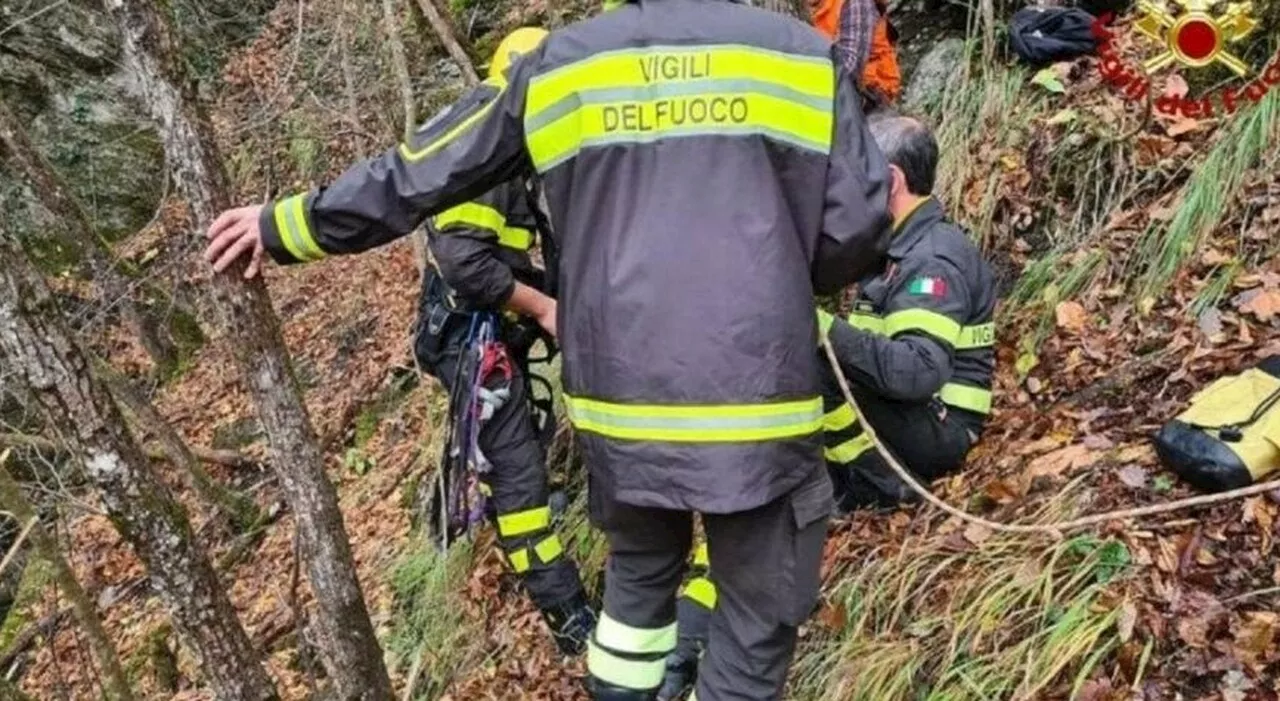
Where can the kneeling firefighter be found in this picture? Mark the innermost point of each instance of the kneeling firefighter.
(498, 434)
(918, 352)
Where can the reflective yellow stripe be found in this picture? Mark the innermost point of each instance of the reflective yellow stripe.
(637, 675)
(696, 423)
(515, 237)
(521, 522)
(701, 590)
(549, 549)
(643, 95)
(519, 560)
(412, 156)
(980, 336)
(295, 234)
(849, 450)
(285, 233)
(472, 214)
(867, 322)
(620, 637)
(480, 216)
(309, 245)
(700, 558)
(937, 325)
(839, 419)
(975, 399)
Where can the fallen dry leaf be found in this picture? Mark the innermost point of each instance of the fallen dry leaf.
(1061, 461)
(1071, 316)
(1133, 476)
(1264, 305)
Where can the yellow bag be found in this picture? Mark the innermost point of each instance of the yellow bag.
(1229, 436)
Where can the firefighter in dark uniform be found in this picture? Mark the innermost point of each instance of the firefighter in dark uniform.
(707, 167)
(918, 351)
(482, 250)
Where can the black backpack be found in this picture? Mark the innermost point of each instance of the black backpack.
(1042, 35)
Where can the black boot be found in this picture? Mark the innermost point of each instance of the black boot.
(604, 691)
(571, 624)
(682, 672)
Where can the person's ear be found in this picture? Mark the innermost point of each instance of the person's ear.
(897, 181)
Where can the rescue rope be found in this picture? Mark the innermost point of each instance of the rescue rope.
(1054, 529)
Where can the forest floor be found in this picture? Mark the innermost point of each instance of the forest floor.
(1092, 359)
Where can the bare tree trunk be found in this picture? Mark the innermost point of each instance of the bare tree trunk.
(344, 58)
(400, 65)
(988, 10)
(41, 353)
(239, 508)
(449, 38)
(391, 24)
(112, 284)
(345, 635)
(11, 499)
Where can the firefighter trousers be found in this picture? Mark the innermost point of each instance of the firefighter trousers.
(767, 563)
(929, 438)
(517, 487)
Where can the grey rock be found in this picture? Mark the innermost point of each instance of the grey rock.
(939, 67)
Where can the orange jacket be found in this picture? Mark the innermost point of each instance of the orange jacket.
(881, 72)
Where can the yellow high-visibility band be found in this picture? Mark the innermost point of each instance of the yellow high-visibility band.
(638, 675)
(812, 76)
(868, 322)
(481, 216)
(413, 156)
(519, 560)
(839, 419)
(549, 549)
(937, 325)
(848, 450)
(291, 224)
(519, 523)
(700, 557)
(623, 638)
(646, 115)
(975, 399)
(732, 423)
(979, 336)
(701, 590)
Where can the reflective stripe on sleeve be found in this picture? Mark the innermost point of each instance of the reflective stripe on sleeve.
(937, 325)
(848, 450)
(839, 419)
(291, 224)
(979, 336)
(480, 216)
(662, 92)
(519, 523)
(726, 423)
(975, 399)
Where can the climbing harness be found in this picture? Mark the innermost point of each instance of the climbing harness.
(481, 386)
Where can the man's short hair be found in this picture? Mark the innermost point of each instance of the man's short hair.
(908, 144)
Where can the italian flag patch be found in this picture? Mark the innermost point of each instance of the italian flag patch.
(931, 286)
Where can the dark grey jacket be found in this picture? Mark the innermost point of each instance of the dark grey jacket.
(482, 247)
(922, 323)
(705, 169)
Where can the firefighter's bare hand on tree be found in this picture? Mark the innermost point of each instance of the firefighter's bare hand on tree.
(233, 234)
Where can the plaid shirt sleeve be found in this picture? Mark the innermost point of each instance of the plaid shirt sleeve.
(853, 43)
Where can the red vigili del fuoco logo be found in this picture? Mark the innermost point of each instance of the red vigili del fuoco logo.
(1194, 35)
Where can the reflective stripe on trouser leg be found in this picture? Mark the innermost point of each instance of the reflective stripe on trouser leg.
(629, 657)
